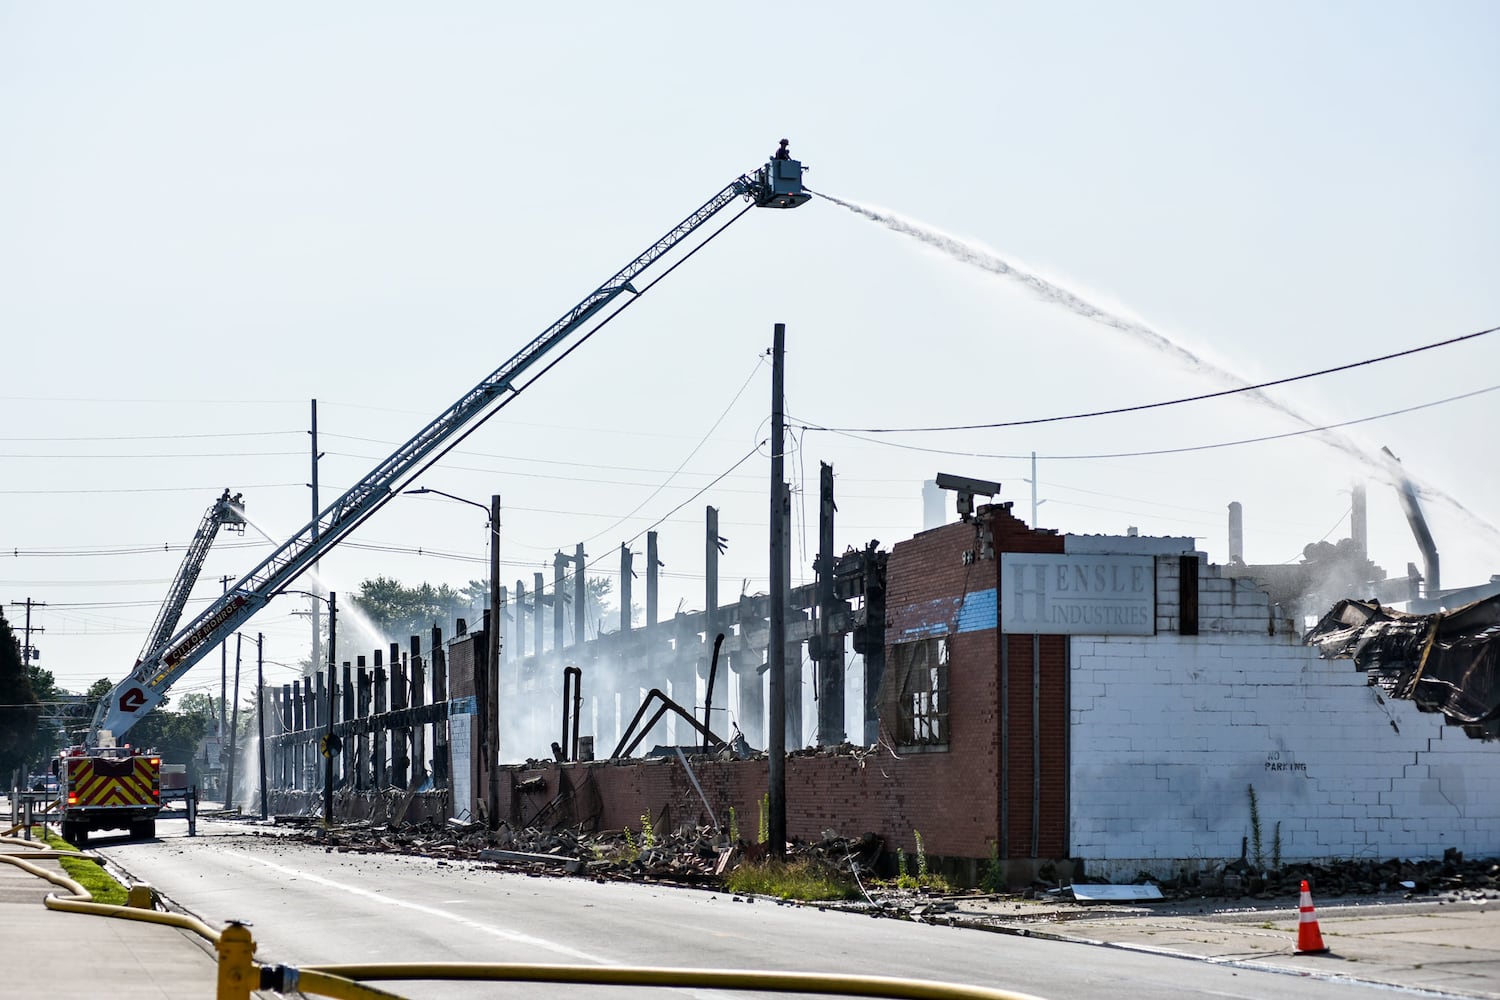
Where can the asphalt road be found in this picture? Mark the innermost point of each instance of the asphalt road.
(308, 906)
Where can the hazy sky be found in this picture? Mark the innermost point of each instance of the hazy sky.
(211, 215)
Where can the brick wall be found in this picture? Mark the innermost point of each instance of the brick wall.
(951, 795)
(1169, 732)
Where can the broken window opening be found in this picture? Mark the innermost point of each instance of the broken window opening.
(914, 692)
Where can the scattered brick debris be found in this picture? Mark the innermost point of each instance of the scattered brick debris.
(702, 857)
(1412, 878)
(696, 856)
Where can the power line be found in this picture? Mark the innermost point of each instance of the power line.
(1172, 451)
(175, 455)
(154, 489)
(1168, 402)
(157, 437)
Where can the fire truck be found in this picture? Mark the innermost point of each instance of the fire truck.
(103, 786)
(107, 788)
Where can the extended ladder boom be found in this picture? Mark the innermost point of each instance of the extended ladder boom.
(226, 511)
(777, 185)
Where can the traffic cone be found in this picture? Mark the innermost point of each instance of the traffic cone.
(1309, 938)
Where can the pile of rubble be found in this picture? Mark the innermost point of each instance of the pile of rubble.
(697, 856)
(1243, 880)
(702, 856)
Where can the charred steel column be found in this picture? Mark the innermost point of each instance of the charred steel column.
(441, 772)
(672, 681)
(652, 562)
(713, 544)
(378, 774)
(776, 734)
(289, 754)
(519, 645)
(538, 587)
(361, 713)
(418, 699)
(559, 577)
(626, 573)
(1359, 524)
(329, 746)
(346, 713)
(401, 734)
(830, 660)
(317, 718)
(580, 596)
(871, 639)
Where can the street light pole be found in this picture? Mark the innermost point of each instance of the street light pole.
(260, 712)
(489, 738)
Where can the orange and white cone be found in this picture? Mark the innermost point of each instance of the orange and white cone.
(1309, 938)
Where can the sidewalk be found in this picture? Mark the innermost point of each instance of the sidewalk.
(77, 956)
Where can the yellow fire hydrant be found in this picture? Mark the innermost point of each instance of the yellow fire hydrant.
(237, 972)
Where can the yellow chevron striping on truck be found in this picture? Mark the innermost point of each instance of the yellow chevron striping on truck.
(100, 782)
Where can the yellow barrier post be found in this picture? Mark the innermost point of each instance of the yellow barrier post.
(237, 972)
(141, 896)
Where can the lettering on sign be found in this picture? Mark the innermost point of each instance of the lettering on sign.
(186, 646)
(1274, 763)
(1077, 594)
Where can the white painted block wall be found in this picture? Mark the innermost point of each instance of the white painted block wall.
(1169, 732)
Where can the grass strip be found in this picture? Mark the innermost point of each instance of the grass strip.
(800, 879)
(89, 874)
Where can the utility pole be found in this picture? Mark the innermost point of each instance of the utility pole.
(223, 684)
(317, 581)
(491, 744)
(234, 723)
(776, 730)
(27, 653)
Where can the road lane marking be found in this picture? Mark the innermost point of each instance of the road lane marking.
(500, 932)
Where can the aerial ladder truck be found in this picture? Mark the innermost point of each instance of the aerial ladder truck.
(777, 184)
(103, 785)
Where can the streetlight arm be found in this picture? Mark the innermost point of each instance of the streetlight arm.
(450, 496)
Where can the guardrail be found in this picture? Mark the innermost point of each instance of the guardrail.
(24, 811)
(188, 797)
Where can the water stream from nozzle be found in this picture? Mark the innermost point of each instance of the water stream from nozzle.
(986, 259)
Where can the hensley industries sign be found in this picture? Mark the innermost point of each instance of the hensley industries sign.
(1084, 594)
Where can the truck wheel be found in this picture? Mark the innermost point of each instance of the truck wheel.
(80, 835)
(68, 833)
(143, 830)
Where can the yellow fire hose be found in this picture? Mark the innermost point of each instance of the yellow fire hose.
(605, 975)
(239, 974)
(79, 899)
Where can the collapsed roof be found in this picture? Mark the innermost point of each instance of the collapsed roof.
(1445, 662)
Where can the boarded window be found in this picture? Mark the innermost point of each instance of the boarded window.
(914, 693)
